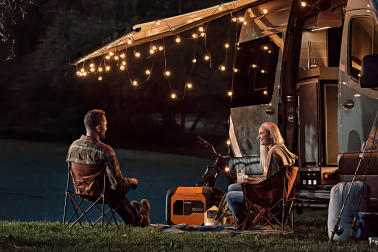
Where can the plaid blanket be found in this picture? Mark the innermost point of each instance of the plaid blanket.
(222, 229)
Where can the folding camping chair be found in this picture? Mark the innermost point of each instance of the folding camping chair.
(96, 202)
(270, 197)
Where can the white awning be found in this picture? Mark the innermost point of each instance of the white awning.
(170, 26)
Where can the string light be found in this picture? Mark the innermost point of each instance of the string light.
(158, 22)
(82, 70)
(129, 42)
(194, 35)
(234, 19)
(241, 19)
(200, 29)
(111, 54)
(265, 11)
(137, 54)
(194, 60)
(227, 169)
(223, 68)
(254, 65)
(303, 4)
(122, 55)
(228, 142)
(85, 74)
(107, 68)
(236, 70)
(100, 69)
(189, 85)
(161, 48)
(207, 57)
(244, 23)
(167, 73)
(91, 65)
(99, 78)
(262, 71)
(229, 93)
(122, 67)
(78, 73)
(116, 57)
(178, 39)
(266, 48)
(123, 62)
(154, 48)
(203, 34)
(152, 51)
(265, 92)
(148, 72)
(220, 7)
(269, 51)
(173, 96)
(135, 83)
(107, 57)
(92, 69)
(227, 45)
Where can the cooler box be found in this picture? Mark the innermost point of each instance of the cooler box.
(189, 204)
(368, 225)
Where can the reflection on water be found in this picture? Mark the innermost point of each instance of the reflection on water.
(34, 174)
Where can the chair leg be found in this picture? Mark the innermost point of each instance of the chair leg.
(65, 209)
(75, 211)
(83, 213)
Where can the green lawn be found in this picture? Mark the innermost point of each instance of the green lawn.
(310, 234)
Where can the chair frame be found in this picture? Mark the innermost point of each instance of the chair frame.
(101, 199)
(265, 214)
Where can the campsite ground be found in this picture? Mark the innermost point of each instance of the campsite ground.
(310, 234)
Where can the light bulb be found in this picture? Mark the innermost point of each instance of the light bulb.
(189, 85)
(194, 60)
(154, 48)
(107, 68)
(158, 22)
(254, 65)
(122, 67)
(244, 23)
(100, 69)
(122, 55)
(92, 69)
(230, 93)
(161, 48)
(124, 63)
(265, 92)
(152, 51)
(203, 34)
(78, 73)
(82, 70)
(167, 73)
(99, 78)
(227, 45)
(129, 42)
(91, 65)
(265, 11)
(148, 72)
(262, 71)
(227, 169)
(228, 142)
(234, 19)
(116, 57)
(173, 96)
(220, 7)
(111, 54)
(241, 19)
(137, 54)
(303, 4)
(178, 40)
(223, 68)
(194, 35)
(135, 83)
(269, 51)
(200, 29)
(107, 57)
(85, 74)
(236, 70)
(207, 57)
(266, 48)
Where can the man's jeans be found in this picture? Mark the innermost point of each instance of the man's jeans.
(236, 203)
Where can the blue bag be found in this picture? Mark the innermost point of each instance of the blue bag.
(368, 225)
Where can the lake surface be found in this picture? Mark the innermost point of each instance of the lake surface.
(33, 178)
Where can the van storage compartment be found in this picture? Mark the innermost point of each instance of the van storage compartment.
(368, 225)
(189, 204)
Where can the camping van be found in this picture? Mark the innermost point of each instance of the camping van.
(302, 70)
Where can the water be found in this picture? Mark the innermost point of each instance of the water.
(33, 178)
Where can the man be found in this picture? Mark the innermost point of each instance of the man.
(90, 159)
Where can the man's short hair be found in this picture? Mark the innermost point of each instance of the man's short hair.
(93, 118)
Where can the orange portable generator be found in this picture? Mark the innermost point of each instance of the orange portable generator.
(189, 204)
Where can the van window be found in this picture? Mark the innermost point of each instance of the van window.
(255, 65)
(361, 42)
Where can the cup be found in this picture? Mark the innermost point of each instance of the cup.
(240, 175)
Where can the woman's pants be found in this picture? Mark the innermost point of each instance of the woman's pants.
(236, 203)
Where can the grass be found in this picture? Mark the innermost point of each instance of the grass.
(310, 234)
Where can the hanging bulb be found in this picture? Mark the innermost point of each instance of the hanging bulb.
(167, 73)
(178, 39)
(227, 45)
(122, 55)
(91, 65)
(161, 48)
(254, 65)
(189, 85)
(111, 54)
(207, 57)
(200, 29)
(148, 72)
(107, 68)
(129, 42)
(116, 57)
(124, 63)
(262, 71)
(266, 48)
(245, 23)
(194, 60)
(228, 142)
(154, 48)
(269, 51)
(203, 34)
(241, 19)
(78, 73)
(100, 69)
(173, 96)
(220, 7)
(158, 22)
(223, 68)
(234, 19)
(303, 4)
(122, 67)
(229, 93)
(107, 57)
(99, 78)
(236, 70)
(194, 35)
(137, 54)
(152, 51)
(85, 74)
(135, 83)
(92, 69)
(265, 11)
(265, 92)
(82, 70)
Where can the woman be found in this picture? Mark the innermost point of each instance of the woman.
(273, 156)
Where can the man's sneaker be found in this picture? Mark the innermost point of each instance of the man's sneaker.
(135, 204)
(145, 211)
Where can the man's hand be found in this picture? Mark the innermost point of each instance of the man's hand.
(134, 183)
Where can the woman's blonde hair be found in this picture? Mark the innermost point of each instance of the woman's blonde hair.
(276, 140)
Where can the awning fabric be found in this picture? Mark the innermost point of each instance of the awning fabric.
(143, 33)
